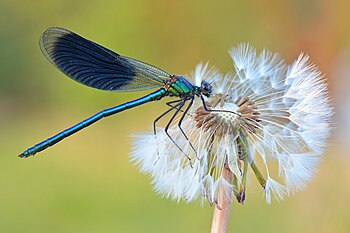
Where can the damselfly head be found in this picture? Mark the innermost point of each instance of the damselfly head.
(206, 88)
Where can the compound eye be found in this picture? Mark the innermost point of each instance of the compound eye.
(206, 88)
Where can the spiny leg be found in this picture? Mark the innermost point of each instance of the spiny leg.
(180, 123)
(171, 102)
(181, 104)
(166, 112)
(159, 117)
(170, 105)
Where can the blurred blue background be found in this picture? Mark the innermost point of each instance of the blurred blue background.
(85, 183)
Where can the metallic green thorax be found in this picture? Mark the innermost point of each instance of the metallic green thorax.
(179, 86)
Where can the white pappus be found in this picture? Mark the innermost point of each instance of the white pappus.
(280, 129)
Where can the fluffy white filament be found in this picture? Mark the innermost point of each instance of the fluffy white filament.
(295, 113)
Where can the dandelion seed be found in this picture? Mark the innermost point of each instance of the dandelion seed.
(281, 114)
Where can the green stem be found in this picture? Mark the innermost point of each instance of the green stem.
(258, 174)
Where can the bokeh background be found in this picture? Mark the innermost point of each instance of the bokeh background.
(86, 183)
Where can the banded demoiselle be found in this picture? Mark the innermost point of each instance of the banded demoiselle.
(95, 66)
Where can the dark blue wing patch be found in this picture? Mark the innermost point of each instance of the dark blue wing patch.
(98, 67)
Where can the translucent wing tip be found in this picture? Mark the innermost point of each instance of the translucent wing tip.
(48, 39)
(53, 31)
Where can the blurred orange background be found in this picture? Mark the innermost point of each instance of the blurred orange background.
(86, 183)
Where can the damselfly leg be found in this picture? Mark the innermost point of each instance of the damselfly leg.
(180, 123)
(181, 104)
(166, 112)
(178, 103)
(170, 104)
(178, 106)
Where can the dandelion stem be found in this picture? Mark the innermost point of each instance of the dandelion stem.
(222, 209)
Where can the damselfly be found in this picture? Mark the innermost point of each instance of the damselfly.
(95, 66)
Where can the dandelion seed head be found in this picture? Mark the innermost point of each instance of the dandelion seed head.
(264, 111)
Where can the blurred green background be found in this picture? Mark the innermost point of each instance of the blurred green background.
(85, 183)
